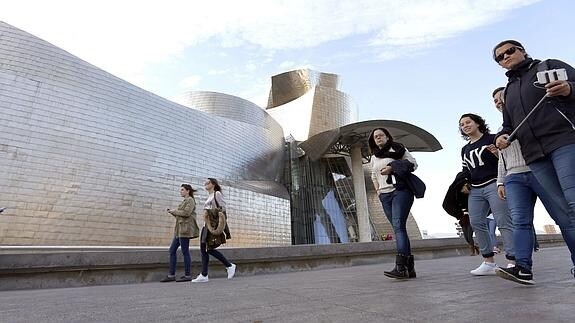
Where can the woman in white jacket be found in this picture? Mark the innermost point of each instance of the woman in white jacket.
(396, 203)
(215, 202)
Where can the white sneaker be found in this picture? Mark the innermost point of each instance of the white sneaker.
(485, 269)
(201, 279)
(231, 271)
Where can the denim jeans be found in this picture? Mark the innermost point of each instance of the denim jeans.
(480, 201)
(556, 174)
(521, 192)
(396, 206)
(206, 258)
(492, 226)
(185, 244)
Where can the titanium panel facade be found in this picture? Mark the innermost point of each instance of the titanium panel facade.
(89, 159)
(328, 108)
(323, 202)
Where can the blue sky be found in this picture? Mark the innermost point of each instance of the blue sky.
(422, 62)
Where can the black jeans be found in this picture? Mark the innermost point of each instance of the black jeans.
(206, 258)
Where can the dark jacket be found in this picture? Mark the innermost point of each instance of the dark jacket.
(403, 171)
(455, 201)
(552, 125)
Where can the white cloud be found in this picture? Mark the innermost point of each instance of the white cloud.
(217, 72)
(420, 26)
(289, 65)
(190, 82)
(124, 36)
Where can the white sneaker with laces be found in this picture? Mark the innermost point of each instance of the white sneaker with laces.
(231, 271)
(485, 269)
(201, 279)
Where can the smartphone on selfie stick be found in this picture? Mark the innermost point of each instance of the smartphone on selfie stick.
(543, 78)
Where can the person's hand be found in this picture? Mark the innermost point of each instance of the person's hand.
(501, 142)
(501, 192)
(493, 150)
(386, 170)
(558, 88)
(465, 189)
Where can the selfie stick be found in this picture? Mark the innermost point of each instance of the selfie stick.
(514, 133)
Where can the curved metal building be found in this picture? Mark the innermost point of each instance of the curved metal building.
(329, 203)
(89, 159)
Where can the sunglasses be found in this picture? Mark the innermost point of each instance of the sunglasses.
(509, 51)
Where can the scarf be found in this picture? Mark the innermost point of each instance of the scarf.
(399, 151)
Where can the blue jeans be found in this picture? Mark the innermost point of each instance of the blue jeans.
(521, 192)
(396, 206)
(206, 258)
(480, 201)
(185, 244)
(556, 174)
(492, 226)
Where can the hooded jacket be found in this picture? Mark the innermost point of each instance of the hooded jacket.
(552, 125)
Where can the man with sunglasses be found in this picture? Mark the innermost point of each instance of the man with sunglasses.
(548, 135)
(518, 186)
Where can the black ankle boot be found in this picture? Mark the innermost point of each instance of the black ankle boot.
(400, 270)
(411, 267)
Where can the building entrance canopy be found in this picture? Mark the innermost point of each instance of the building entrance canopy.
(342, 139)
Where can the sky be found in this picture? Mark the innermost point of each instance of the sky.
(425, 62)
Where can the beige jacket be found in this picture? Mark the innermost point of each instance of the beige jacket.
(185, 214)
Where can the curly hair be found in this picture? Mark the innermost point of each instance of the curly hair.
(483, 128)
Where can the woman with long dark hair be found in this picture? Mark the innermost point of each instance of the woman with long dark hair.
(214, 206)
(388, 158)
(480, 158)
(186, 228)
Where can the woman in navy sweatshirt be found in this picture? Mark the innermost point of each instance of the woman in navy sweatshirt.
(480, 159)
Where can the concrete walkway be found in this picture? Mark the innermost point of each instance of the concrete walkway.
(443, 292)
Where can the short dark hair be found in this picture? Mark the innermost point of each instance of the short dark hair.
(217, 187)
(483, 128)
(371, 142)
(509, 41)
(501, 88)
(189, 188)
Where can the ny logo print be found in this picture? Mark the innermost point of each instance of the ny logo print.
(470, 161)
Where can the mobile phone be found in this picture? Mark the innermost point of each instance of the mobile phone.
(545, 77)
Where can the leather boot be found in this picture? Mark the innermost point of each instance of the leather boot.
(411, 267)
(400, 270)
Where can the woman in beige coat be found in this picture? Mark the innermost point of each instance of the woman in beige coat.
(186, 229)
